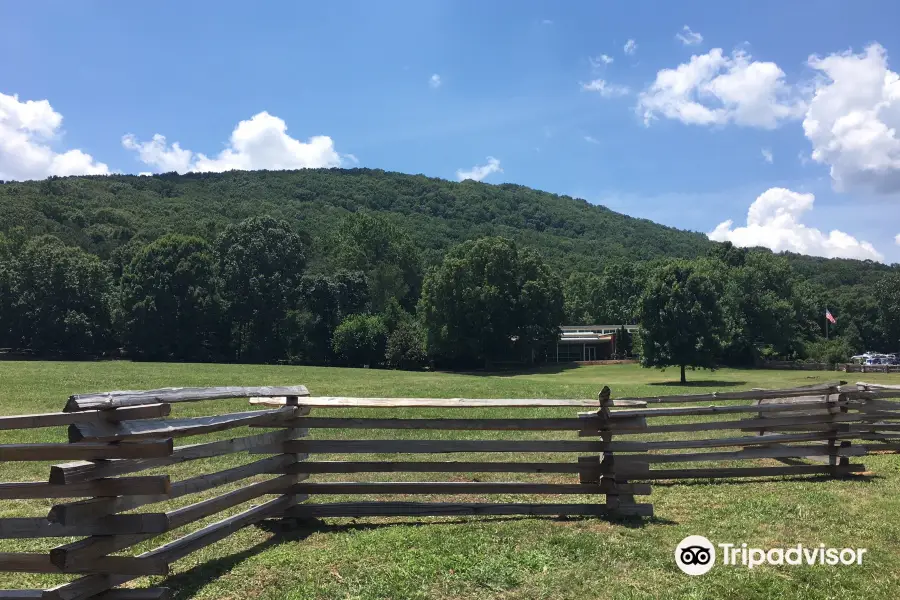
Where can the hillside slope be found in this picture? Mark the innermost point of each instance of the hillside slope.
(99, 213)
(102, 213)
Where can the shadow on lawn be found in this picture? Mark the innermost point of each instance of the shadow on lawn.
(854, 478)
(188, 583)
(519, 369)
(700, 383)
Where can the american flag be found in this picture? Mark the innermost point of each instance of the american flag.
(830, 317)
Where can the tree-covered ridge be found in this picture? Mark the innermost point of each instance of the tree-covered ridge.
(100, 214)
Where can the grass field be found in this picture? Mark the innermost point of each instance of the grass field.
(532, 558)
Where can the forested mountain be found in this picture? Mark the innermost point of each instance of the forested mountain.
(360, 265)
(101, 213)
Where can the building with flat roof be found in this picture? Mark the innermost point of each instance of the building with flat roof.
(588, 342)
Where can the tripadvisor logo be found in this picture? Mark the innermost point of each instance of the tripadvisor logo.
(696, 555)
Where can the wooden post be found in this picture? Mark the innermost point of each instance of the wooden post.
(296, 477)
(833, 461)
(614, 500)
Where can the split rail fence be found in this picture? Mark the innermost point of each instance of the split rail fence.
(615, 450)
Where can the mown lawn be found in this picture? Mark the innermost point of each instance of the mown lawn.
(498, 557)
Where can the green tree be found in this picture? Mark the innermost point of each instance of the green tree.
(489, 300)
(260, 263)
(581, 293)
(62, 298)
(680, 317)
(325, 300)
(10, 315)
(406, 345)
(360, 340)
(385, 253)
(831, 351)
(887, 294)
(168, 299)
(760, 304)
(618, 292)
(624, 344)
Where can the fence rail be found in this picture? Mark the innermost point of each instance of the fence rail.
(621, 449)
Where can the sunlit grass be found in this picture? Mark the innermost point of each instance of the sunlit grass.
(489, 557)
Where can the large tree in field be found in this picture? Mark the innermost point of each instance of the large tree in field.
(489, 300)
(680, 318)
(62, 298)
(260, 262)
(170, 310)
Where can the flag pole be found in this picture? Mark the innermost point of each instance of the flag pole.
(826, 323)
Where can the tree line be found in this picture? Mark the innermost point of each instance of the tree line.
(264, 291)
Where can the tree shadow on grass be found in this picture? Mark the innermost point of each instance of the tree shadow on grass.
(512, 371)
(699, 383)
(700, 481)
(188, 584)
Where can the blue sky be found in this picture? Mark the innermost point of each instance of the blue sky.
(515, 81)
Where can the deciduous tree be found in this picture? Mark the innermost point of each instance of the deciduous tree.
(489, 300)
(680, 317)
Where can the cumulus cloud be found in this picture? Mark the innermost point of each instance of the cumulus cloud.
(688, 37)
(28, 132)
(604, 88)
(630, 47)
(479, 172)
(435, 81)
(715, 89)
(261, 142)
(853, 119)
(897, 239)
(774, 221)
(767, 155)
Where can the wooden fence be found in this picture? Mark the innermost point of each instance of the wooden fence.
(615, 451)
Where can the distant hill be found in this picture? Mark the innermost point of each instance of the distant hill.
(100, 213)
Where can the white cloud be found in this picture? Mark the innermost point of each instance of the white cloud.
(853, 119)
(160, 155)
(774, 221)
(714, 89)
(601, 61)
(261, 142)
(767, 155)
(604, 88)
(591, 139)
(479, 172)
(897, 239)
(630, 47)
(688, 37)
(435, 81)
(547, 22)
(28, 131)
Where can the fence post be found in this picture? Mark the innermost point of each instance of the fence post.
(293, 469)
(834, 461)
(609, 470)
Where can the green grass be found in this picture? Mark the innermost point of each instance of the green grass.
(449, 558)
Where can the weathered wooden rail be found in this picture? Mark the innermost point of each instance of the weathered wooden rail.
(614, 452)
